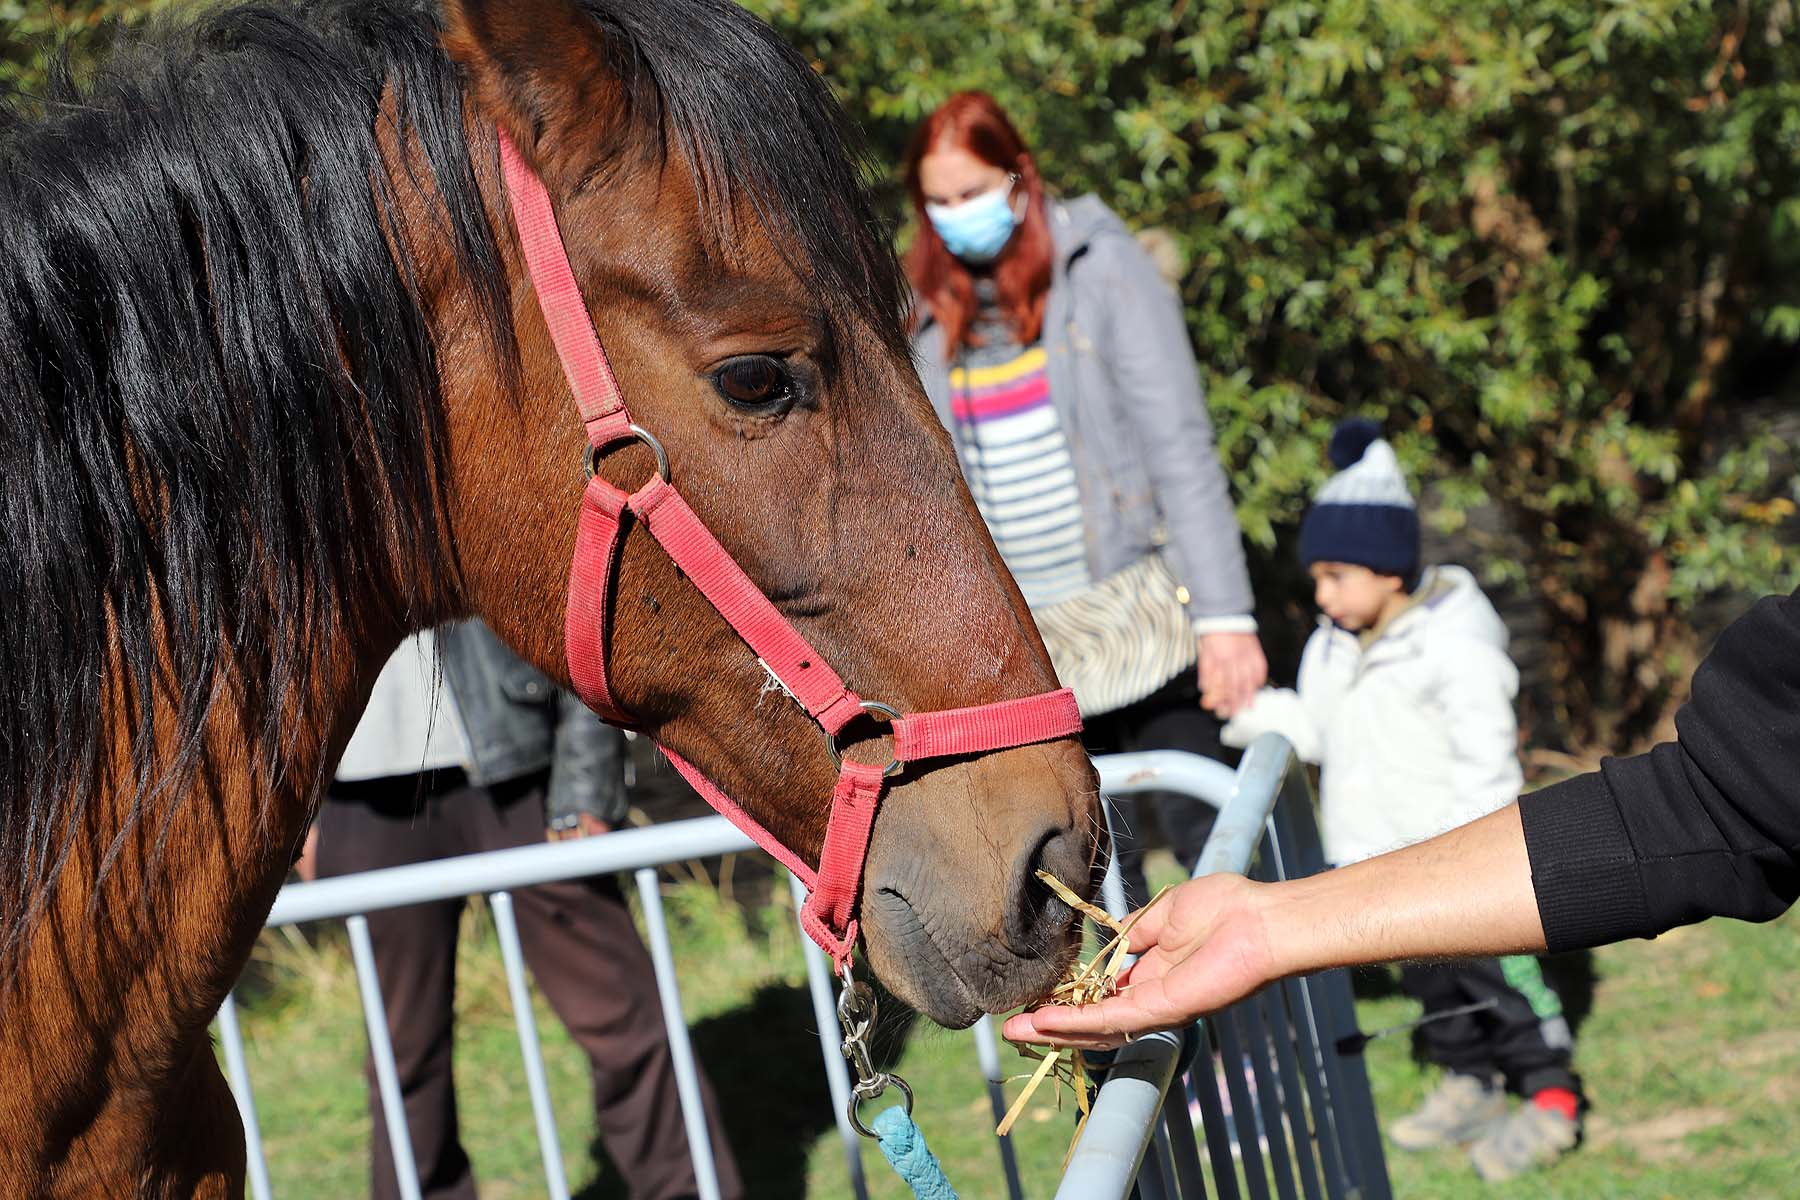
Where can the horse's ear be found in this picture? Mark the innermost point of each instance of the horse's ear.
(538, 70)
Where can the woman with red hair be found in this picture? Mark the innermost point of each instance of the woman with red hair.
(1057, 356)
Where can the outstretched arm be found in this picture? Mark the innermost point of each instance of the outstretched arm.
(1219, 938)
(1708, 825)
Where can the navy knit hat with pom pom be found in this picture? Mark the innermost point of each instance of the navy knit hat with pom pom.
(1364, 514)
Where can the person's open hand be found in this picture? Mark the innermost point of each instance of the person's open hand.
(1232, 669)
(1202, 947)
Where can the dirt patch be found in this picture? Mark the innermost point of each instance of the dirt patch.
(1659, 1139)
(1762, 1049)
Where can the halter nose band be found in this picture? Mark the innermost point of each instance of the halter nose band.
(829, 916)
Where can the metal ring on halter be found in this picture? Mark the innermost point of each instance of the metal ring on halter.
(895, 766)
(591, 459)
(857, 1098)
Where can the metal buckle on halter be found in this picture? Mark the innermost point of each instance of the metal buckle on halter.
(590, 458)
(875, 708)
(856, 1017)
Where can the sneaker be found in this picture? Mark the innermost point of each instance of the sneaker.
(1530, 1138)
(1462, 1109)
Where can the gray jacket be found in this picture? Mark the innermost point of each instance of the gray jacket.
(517, 722)
(1127, 390)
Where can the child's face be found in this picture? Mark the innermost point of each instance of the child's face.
(1352, 596)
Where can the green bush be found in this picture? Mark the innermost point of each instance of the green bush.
(1554, 245)
(31, 31)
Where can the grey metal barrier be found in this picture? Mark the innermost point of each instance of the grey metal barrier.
(1277, 1083)
(1127, 1108)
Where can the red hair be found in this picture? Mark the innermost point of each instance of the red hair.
(973, 122)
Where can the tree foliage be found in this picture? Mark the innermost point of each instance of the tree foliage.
(34, 34)
(1555, 246)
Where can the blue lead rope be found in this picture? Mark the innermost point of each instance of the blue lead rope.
(904, 1146)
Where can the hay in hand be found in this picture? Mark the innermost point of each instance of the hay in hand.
(1083, 983)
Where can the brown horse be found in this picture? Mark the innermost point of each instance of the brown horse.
(274, 391)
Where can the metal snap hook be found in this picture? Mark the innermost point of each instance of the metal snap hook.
(591, 458)
(856, 1017)
(877, 709)
(857, 1099)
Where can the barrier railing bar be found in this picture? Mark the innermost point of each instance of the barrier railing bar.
(512, 955)
(1335, 1084)
(1244, 816)
(232, 1037)
(1153, 1181)
(1300, 1129)
(1168, 770)
(1112, 882)
(987, 1052)
(1348, 1075)
(1113, 1144)
(1331, 1147)
(506, 870)
(837, 1073)
(1205, 1082)
(1256, 1035)
(1190, 1180)
(381, 1050)
(1243, 1105)
(681, 1049)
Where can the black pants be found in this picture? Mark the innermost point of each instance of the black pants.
(1168, 719)
(582, 948)
(1523, 1038)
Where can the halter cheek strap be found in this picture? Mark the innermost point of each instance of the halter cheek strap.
(829, 915)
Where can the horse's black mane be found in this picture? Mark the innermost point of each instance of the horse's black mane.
(217, 389)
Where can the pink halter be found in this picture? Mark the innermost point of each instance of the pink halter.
(829, 913)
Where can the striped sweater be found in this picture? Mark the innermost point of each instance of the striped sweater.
(1016, 458)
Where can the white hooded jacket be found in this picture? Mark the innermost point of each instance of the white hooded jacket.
(1415, 732)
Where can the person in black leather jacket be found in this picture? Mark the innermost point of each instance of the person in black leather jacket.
(495, 756)
(517, 722)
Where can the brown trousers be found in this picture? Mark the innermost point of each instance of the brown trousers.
(582, 949)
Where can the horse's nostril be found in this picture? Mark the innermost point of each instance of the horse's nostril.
(1035, 918)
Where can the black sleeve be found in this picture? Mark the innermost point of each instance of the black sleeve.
(587, 773)
(1707, 825)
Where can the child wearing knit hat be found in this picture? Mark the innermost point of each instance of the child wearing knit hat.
(1405, 700)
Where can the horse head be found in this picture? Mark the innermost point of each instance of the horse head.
(741, 286)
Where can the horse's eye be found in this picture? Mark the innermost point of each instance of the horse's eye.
(755, 382)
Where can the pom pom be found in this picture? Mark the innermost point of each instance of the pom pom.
(1350, 439)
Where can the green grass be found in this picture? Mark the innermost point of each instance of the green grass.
(1690, 1053)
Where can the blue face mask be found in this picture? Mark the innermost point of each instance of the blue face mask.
(979, 228)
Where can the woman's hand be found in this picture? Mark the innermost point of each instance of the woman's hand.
(1202, 947)
(1232, 670)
